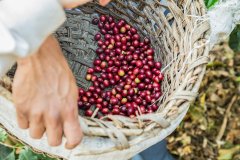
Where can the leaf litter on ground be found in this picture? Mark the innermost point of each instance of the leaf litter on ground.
(204, 121)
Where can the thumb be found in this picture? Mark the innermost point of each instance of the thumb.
(104, 2)
(73, 3)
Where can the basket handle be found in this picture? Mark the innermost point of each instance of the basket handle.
(223, 19)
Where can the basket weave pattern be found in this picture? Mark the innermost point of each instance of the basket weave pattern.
(172, 35)
(178, 38)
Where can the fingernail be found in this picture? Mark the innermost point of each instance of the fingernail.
(68, 146)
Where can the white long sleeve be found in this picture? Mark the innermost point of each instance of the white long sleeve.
(24, 25)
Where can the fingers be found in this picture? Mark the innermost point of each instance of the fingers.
(36, 127)
(36, 131)
(22, 120)
(73, 134)
(104, 2)
(72, 130)
(54, 129)
(54, 135)
(35, 124)
(73, 3)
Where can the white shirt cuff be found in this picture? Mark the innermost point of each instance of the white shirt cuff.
(30, 22)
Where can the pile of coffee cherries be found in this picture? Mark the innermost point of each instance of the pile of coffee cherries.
(125, 78)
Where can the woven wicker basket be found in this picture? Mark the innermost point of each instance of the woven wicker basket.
(179, 38)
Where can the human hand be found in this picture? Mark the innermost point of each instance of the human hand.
(75, 3)
(45, 95)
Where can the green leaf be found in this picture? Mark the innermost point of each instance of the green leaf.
(11, 156)
(227, 154)
(234, 41)
(238, 79)
(44, 157)
(216, 64)
(3, 135)
(6, 153)
(28, 154)
(210, 3)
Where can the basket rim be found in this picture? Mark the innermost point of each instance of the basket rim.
(175, 104)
